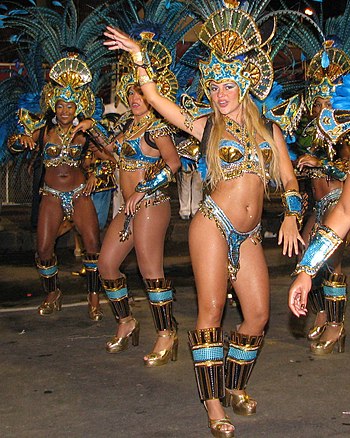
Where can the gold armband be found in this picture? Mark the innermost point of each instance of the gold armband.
(13, 141)
(137, 58)
(144, 79)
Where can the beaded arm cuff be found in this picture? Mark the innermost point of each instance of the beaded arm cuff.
(160, 179)
(99, 134)
(321, 247)
(292, 203)
(336, 169)
(141, 59)
(14, 145)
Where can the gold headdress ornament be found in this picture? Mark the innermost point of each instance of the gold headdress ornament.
(159, 58)
(325, 71)
(70, 77)
(236, 52)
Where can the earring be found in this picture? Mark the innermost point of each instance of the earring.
(75, 121)
(54, 120)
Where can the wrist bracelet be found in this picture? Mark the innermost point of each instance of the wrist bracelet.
(145, 79)
(137, 58)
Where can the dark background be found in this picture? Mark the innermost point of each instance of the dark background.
(7, 54)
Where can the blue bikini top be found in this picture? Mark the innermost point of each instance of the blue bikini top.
(237, 159)
(132, 157)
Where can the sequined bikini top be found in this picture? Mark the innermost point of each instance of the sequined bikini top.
(237, 159)
(132, 157)
(56, 154)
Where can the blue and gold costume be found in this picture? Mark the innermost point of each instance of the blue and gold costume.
(156, 175)
(236, 50)
(69, 78)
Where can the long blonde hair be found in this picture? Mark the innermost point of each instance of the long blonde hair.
(253, 123)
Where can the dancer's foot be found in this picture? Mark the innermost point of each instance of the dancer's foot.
(219, 423)
(164, 350)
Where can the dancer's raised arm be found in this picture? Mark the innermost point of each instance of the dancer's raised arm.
(168, 109)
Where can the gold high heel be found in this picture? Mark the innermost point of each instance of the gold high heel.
(215, 426)
(316, 332)
(326, 347)
(95, 312)
(48, 307)
(156, 359)
(80, 273)
(115, 345)
(241, 404)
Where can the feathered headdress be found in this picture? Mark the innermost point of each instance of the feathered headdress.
(326, 70)
(160, 59)
(158, 25)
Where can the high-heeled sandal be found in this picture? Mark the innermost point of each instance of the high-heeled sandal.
(321, 348)
(48, 307)
(241, 404)
(215, 426)
(156, 359)
(116, 344)
(316, 332)
(95, 312)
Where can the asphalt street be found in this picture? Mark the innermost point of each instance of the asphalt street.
(58, 381)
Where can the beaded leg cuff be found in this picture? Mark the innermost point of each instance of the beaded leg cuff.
(241, 358)
(207, 348)
(48, 271)
(160, 296)
(117, 294)
(92, 276)
(316, 299)
(334, 289)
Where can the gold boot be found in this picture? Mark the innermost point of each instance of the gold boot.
(116, 344)
(95, 312)
(242, 354)
(48, 307)
(48, 271)
(322, 348)
(157, 359)
(161, 296)
(334, 288)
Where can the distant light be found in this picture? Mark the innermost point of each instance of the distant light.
(309, 11)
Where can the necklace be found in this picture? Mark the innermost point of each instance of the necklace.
(65, 137)
(135, 128)
(236, 130)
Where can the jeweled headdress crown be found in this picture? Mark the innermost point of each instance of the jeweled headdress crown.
(236, 52)
(70, 77)
(325, 72)
(160, 60)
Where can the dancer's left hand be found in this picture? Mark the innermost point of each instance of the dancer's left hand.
(298, 293)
